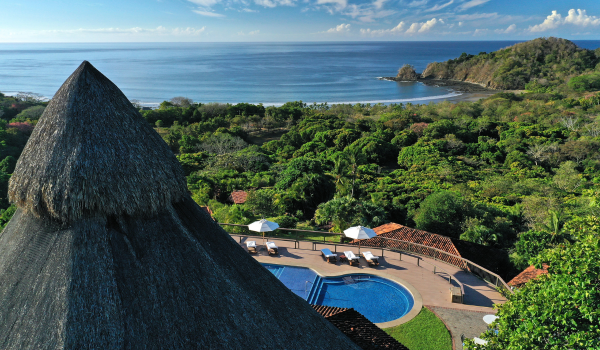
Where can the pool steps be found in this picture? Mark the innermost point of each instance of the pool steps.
(313, 295)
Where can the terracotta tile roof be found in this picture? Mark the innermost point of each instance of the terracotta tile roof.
(389, 227)
(327, 311)
(527, 275)
(238, 197)
(358, 328)
(407, 234)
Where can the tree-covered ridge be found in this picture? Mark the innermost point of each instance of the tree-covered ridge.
(544, 63)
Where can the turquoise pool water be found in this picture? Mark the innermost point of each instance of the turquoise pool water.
(377, 298)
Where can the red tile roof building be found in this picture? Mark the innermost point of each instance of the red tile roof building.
(492, 259)
(527, 275)
(238, 197)
(407, 234)
(358, 328)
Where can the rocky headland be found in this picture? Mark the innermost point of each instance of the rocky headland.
(542, 63)
(408, 73)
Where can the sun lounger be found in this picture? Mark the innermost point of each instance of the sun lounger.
(371, 259)
(352, 259)
(251, 245)
(329, 256)
(272, 248)
(479, 341)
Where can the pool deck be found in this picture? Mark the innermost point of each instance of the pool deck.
(429, 288)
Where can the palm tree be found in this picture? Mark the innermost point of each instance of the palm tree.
(355, 158)
(555, 224)
(340, 174)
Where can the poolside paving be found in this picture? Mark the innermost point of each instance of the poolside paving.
(469, 323)
(434, 288)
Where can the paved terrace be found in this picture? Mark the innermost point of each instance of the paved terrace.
(414, 272)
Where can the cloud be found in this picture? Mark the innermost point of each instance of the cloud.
(467, 5)
(248, 10)
(274, 3)
(339, 4)
(378, 4)
(480, 32)
(339, 29)
(418, 3)
(551, 22)
(439, 7)
(399, 29)
(365, 13)
(474, 16)
(422, 27)
(189, 31)
(580, 18)
(254, 32)
(208, 13)
(204, 3)
(511, 29)
(413, 28)
(428, 25)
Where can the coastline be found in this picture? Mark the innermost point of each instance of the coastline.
(453, 85)
(467, 91)
(458, 91)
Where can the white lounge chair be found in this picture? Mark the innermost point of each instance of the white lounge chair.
(329, 256)
(479, 341)
(251, 245)
(272, 248)
(371, 259)
(351, 258)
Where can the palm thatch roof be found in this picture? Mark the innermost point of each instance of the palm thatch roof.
(99, 155)
(136, 264)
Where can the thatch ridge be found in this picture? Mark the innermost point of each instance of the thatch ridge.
(92, 152)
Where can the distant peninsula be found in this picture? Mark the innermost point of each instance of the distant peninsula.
(539, 63)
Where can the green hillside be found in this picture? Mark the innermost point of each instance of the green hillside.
(543, 63)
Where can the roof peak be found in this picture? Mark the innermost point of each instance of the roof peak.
(93, 153)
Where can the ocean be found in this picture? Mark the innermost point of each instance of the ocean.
(268, 73)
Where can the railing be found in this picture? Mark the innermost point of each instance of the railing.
(452, 259)
(253, 233)
(405, 246)
(436, 269)
(305, 286)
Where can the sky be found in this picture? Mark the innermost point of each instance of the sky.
(296, 20)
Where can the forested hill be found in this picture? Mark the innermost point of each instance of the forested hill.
(546, 62)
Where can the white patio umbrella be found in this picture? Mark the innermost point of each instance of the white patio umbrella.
(360, 233)
(263, 226)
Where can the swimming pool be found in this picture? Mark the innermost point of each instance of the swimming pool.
(377, 298)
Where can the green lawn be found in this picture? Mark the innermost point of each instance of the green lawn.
(424, 332)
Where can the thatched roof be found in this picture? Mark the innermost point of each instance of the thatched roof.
(93, 152)
(115, 277)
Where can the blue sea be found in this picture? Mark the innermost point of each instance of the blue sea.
(268, 73)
